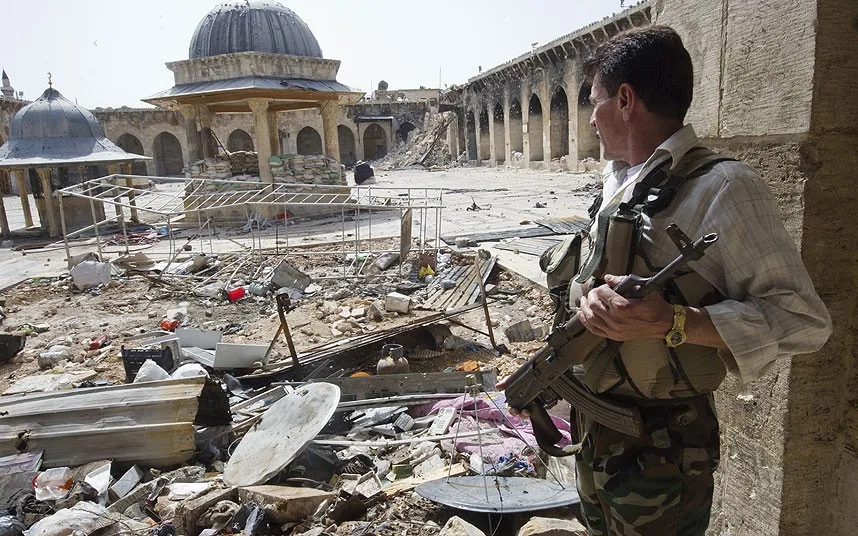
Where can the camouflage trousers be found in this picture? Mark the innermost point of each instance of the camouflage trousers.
(659, 484)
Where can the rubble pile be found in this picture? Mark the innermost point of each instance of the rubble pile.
(427, 147)
(299, 169)
(160, 425)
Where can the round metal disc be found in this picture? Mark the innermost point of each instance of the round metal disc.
(285, 429)
(504, 495)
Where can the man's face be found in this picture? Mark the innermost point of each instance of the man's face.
(608, 121)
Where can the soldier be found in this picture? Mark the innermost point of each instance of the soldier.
(748, 301)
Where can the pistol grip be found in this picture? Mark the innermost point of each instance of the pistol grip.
(547, 435)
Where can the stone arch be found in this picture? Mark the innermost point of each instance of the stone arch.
(534, 128)
(471, 129)
(239, 140)
(168, 155)
(374, 142)
(516, 137)
(308, 141)
(404, 129)
(132, 144)
(346, 138)
(558, 123)
(500, 143)
(485, 140)
(588, 142)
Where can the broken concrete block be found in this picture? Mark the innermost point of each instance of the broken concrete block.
(524, 331)
(189, 511)
(191, 473)
(376, 311)
(397, 303)
(284, 504)
(386, 260)
(286, 275)
(126, 482)
(456, 526)
(544, 526)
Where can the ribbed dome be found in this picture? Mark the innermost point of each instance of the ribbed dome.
(54, 116)
(54, 130)
(253, 26)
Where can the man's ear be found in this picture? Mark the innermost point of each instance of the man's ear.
(626, 100)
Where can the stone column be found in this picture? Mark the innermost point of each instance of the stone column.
(47, 192)
(129, 183)
(259, 107)
(206, 140)
(478, 132)
(330, 110)
(192, 135)
(545, 98)
(274, 133)
(465, 127)
(20, 177)
(525, 119)
(493, 158)
(507, 139)
(4, 222)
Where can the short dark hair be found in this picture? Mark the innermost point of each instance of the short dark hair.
(653, 60)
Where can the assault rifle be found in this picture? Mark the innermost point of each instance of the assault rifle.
(548, 375)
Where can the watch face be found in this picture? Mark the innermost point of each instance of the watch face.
(675, 338)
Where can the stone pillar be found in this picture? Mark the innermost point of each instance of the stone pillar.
(192, 135)
(259, 107)
(525, 119)
(47, 192)
(20, 178)
(129, 183)
(206, 139)
(545, 100)
(274, 133)
(507, 139)
(465, 128)
(493, 158)
(4, 222)
(329, 111)
(478, 130)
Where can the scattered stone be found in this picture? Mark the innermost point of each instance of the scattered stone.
(376, 311)
(339, 294)
(447, 284)
(456, 526)
(284, 504)
(524, 331)
(358, 312)
(462, 242)
(544, 526)
(397, 303)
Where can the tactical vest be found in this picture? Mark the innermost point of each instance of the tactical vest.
(641, 368)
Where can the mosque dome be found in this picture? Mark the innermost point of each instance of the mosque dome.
(253, 26)
(54, 116)
(54, 129)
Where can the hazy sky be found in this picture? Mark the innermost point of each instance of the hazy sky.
(112, 52)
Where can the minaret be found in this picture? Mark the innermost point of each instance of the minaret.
(7, 90)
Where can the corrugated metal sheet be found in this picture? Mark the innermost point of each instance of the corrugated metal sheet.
(145, 423)
(529, 246)
(253, 26)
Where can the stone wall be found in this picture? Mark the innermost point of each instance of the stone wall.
(772, 84)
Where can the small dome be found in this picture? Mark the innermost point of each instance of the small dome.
(54, 116)
(253, 26)
(52, 130)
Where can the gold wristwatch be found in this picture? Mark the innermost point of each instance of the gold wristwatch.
(676, 335)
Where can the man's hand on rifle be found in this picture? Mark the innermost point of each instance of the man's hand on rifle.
(500, 386)
(609, 315)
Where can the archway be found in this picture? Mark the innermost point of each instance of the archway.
(346, 138)
(516, 138)
(588, 142)
(309, 141)
(168, 155)
(471, 126)
(404, 129)
(485, 147)
(374, 142)
(534, 129)
(559, 123)
(239, 140)
(131, 144)
(500, 143)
